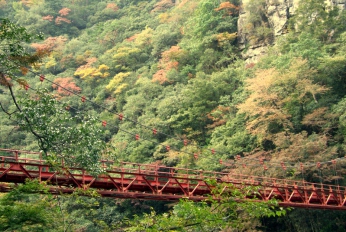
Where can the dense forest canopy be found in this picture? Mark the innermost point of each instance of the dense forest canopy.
(176, 67)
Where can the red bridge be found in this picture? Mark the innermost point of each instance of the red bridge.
(153, 182)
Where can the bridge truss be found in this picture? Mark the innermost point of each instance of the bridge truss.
(154, 182)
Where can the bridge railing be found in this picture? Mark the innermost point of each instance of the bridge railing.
(20, 156)
(161, 171)
(192, 174)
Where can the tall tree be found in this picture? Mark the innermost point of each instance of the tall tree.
(41, 114)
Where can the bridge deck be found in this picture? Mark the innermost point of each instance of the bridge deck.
(143, 181)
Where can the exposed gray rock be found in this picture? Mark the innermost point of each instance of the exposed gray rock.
(339, 3)
(277, 13)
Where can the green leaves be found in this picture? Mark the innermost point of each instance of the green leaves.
(227, 209)
(74, 139)
(13, 54)
(320, 20)
(21, 210)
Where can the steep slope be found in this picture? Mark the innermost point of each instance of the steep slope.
(254, 79)
(261, 22)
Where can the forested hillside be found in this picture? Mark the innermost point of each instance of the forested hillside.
(173, 85)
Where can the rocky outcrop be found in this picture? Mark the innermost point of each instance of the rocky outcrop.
(275, 14)
(339, 3)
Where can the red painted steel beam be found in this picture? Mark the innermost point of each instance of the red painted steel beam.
(152, 182)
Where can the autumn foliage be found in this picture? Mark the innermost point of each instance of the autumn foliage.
(218, 116)
(28, 3)
(64, 11)
(168, 62)
(229, 8)
(89, 72)
(59, 19)
(163, 5)
(2, 3)
(63, 84)
(50, 44)
(112, 6)
(272, 99)
(48, 18)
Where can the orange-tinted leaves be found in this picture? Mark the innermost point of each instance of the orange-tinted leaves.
(112, 6)
(48, 18)
(24, 70)
(59, 19)
(64, 11)
(66, 83)
(230, 8)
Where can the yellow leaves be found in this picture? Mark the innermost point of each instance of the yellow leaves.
(103, 67)
(164, 17)
(80, 59)
(296, 146)
(334, 62)
(144, 38)
(306, 86)
(262, 101)
(226, 38)
(172, 155)
(126, 57)
(124, 52)
(116, 84)
(87, 72)
(120, 88)
(117, 79)
(50, 63)
(84, 73)
(275, 95)
(319, 117)
(140, 40)
(299, 79)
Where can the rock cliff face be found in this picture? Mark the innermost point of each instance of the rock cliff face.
(340, 3)
(275, 14)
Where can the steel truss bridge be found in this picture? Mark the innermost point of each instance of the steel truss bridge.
(154, 182)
